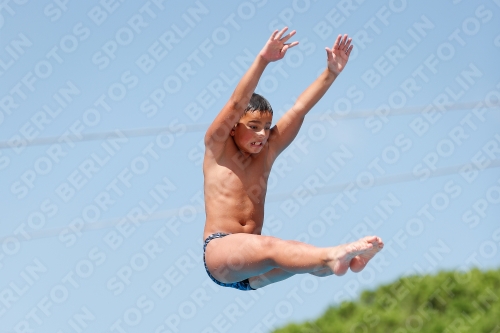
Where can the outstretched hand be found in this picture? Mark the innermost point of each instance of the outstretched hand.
(277, 45)
(338, 56)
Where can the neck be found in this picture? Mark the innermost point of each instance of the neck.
(244, 155)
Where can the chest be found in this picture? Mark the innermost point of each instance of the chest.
(243, 173)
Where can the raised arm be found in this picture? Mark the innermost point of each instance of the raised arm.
(275, 49)
(286, 129)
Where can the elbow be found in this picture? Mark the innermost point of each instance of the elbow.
(207, 139)
(237, 104)
(240, 99)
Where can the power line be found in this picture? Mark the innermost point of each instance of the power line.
(390, 179)
(403, 112)
(386, 180)
(151, 131)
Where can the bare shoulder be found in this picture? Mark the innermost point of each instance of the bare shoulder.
(215, 149)
(217, 154)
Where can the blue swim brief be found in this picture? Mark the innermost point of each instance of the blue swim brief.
(242, 285)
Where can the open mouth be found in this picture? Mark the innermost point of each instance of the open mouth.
(256, 144)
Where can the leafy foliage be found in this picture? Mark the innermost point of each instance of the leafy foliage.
(446, 303)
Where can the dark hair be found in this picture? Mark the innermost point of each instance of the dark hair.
(258, 103)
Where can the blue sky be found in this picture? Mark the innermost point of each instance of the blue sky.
(103, 110)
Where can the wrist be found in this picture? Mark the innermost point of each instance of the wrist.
(330, 74)
(261, 58)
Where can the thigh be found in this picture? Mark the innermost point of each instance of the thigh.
(239, 256)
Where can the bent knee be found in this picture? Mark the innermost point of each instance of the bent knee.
(268, 243)
(269, 246)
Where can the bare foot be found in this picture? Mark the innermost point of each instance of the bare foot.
(354, 255)
(359, 262)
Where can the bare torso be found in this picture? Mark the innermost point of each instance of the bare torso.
(235, 190)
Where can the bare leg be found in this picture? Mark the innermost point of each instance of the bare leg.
(240, 256)
(274, 275)
(322, 272)
(277, 274)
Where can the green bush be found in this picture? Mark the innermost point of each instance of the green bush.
(448, 302)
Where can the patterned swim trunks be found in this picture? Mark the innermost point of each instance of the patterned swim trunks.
(242, 285)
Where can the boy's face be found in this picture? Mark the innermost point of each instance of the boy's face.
(252, 131)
